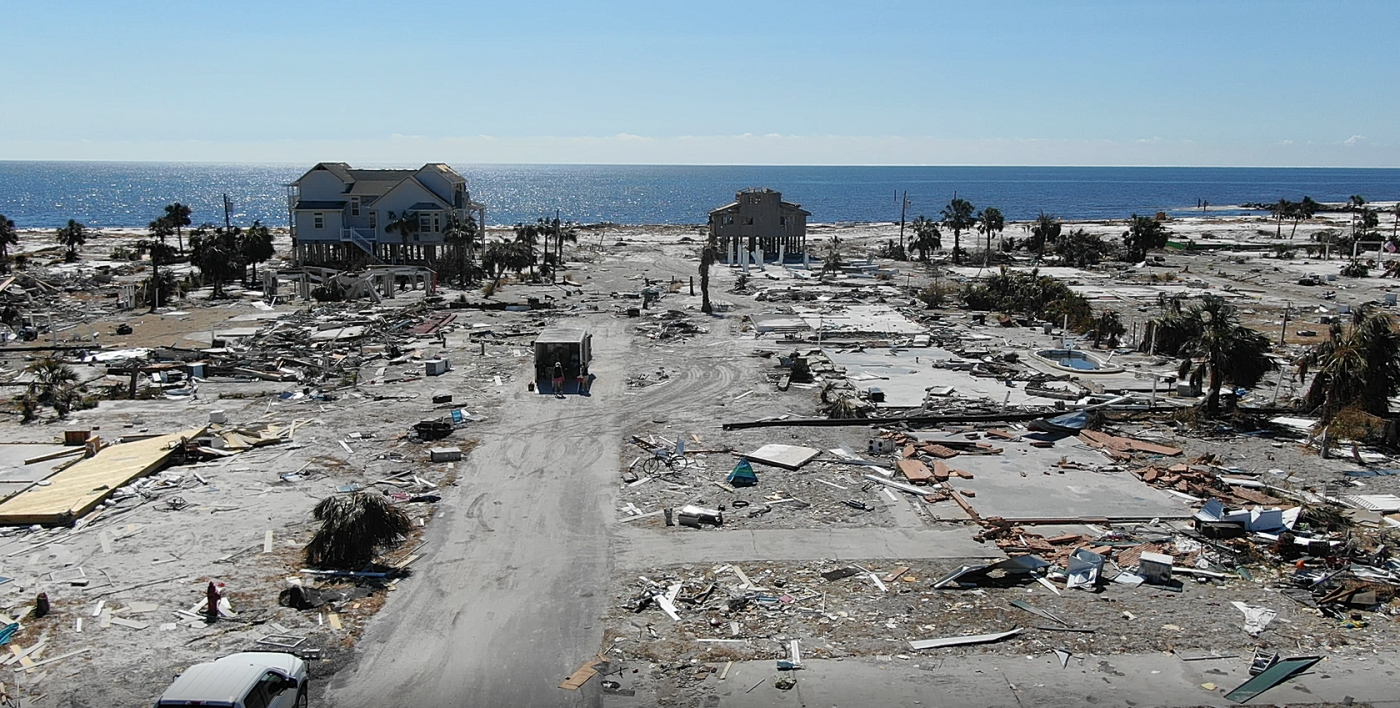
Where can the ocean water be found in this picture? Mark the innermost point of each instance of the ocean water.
(131, 194)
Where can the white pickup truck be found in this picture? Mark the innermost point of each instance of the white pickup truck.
(250, 679)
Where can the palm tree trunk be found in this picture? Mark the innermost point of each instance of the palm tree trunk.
(1213, 396)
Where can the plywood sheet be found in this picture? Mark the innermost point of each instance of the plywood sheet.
(788, 457)
(78, 489)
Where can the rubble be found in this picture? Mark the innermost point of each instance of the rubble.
(1112, 517)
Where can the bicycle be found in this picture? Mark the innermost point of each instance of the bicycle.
(672, 462)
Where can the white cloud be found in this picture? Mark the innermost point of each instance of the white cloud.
(1354, 140)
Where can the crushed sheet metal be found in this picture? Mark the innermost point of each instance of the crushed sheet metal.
(1273, 676)
(955, 641)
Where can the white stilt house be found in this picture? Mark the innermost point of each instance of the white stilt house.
(343, 215)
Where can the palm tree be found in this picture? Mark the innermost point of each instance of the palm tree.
(990, 221)
(1219, 349)
(1358, 367)
(831, 257)
(958, 217)
(8, 237)
(1302, 211)
(927, 237)
(1046, 230)
(528, 235)
(72, 235)
(1144, 233)
(353, 528)
(405, 224)
(214, 250)
(1079, 248)
(500, 256)
(54, 383)
(709, 255)
(1358, 372)
(255, 246)
(1354, 205)
(461, 235)
(1281, 210)
(177, 215)
(160, 228)
(1108, 326)
(568, 232)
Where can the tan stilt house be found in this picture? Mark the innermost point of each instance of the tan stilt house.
(760, 227)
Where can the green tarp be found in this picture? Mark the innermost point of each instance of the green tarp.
(743, 475)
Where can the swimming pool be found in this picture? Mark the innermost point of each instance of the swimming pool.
(1077, 361)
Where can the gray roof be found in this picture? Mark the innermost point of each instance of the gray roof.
(734, 206)
(367, 175)
(339, 169)
(308, 204)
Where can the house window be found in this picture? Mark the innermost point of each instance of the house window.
(728, 221)
(354, 206)
(318, 221)
(782, 220)
(748, 221)
(374, 220)
(425, 223)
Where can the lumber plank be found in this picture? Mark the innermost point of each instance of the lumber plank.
(79, 489)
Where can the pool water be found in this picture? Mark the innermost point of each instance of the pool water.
(1070, 359)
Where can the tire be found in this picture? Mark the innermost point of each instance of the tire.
(678, 463)
(302, 701)
(651, 466)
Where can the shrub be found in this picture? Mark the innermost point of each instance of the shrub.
(934, 295)
(1356, 269)
(1030, 293)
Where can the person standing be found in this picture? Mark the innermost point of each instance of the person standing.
(583, 379)
(558, 379)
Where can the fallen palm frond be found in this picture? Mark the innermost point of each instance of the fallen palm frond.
(353, 527)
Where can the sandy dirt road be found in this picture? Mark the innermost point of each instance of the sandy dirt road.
(511, 591)
(509, 594)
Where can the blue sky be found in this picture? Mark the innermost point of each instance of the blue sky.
(1124, 82)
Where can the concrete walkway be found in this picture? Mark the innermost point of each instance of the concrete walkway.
(642, 548)
(1151, 680)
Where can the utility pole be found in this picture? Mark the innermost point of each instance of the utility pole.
(903, 207)
(1284, 329)
(227, 207)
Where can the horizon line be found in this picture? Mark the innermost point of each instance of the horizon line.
(710, 164)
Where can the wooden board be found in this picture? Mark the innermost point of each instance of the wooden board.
(80, 488)
(581, 675)
(941, 471)
(914, 471)
(1104, 440)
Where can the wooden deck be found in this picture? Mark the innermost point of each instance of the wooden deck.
(78, 489)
